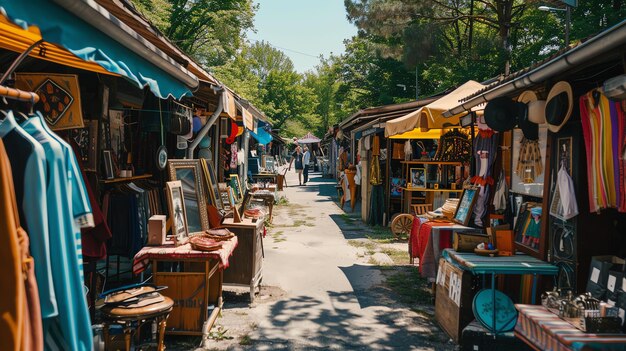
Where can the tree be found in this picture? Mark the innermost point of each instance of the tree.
(266, 76)
(211, 31)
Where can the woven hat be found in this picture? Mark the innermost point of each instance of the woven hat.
(559, 106)
(536, 107)
(502, 113)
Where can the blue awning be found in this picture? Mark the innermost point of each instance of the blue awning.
(89, 42)
(261, 135)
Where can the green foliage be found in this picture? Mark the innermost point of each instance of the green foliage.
(209, 30)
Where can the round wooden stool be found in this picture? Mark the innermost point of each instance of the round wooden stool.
(126, 316)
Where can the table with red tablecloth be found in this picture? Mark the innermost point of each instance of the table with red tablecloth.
(427, 240)
(544, 330)
(194, 280)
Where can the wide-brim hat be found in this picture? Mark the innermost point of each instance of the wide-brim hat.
(502, 113)
(559, 106)
(536, 107)
(530, 129)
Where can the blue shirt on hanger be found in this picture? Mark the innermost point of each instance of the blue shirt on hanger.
(29, 176)
(71, 330)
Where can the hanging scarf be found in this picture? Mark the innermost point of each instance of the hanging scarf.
(375, 178)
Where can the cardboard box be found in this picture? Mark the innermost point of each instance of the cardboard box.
(156, 230)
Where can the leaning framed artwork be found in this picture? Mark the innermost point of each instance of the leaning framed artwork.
(176, 207)
(465, 208)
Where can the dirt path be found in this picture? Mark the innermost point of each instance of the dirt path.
(330, 282)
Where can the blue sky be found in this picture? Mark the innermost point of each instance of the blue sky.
(303, 28)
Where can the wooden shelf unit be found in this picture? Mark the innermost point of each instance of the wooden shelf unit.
(125, 179)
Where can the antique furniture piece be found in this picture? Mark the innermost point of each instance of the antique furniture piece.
(134, 318)
(247, 260)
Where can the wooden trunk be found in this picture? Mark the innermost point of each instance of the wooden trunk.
(453, 299)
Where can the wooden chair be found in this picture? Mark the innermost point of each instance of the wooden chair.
(420, 209)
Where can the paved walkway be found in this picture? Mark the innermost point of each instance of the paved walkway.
(331, 300)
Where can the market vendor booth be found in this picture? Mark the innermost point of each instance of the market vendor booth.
(556, 207)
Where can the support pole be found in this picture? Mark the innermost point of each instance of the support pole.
(209, 123)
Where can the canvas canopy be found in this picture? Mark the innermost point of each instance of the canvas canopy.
(309, 139)
(431, 115)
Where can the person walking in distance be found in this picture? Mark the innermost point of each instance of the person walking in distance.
(306, 158)
(297, 157)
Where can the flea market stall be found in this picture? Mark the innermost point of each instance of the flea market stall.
(555, 212)
(106, 150)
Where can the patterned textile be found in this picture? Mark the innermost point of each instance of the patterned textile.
(422, 247)
(546, 331)
(169, 251)
(603, 123)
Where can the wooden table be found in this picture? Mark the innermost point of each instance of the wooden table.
(544, 330)
(518, 264)
(247, 261)
(194, 280)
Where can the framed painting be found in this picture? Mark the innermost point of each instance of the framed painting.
(396, 186)
(465, 208)
(418, 178)
(236, 186)
(189, 172)
(176, 207)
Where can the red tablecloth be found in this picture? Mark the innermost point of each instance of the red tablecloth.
(143, 257)
(546, 331)
(421, 235)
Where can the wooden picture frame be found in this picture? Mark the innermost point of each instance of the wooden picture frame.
(417, 178)
(189, 172)
(233, 205)
(464, 210)
(212, 184)
(107, 158)
(177, 212)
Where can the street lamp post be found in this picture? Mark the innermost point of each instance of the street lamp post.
(568, 18)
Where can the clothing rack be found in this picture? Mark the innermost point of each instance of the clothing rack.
(19, 95)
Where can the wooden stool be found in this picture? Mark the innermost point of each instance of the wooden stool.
(126, 316)
(420, 209)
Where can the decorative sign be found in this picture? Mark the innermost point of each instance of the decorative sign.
(59, 98)
(454, 292)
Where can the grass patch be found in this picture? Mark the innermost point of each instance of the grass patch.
(245, 340)
(368, 245)
(282, 201)
(278, 236)
(421, 312)
(410, 286)
(399, 257)
(381, 235)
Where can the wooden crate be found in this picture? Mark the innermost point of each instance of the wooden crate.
(453, 299)
(190, 292)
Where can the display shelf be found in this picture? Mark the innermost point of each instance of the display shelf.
(431, 162)
(434, 190)
(125, 179)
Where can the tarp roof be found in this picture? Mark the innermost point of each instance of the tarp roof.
(309, 138)
(431, 115)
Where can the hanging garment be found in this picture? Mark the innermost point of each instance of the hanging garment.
(500, 196)
(375, 145)
(375, 176)
(603, 123)
(233, 156)
(12, 295)
(71, 329)
(485, 146)
(568, 205)
(29, 173)
(408, 150)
